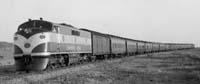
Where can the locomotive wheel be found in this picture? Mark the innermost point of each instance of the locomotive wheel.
(66, 60)
(106, 57)
(27, 71)
(62, 64)
(92, 58)
(51, 66)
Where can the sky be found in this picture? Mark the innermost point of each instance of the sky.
(171, 21)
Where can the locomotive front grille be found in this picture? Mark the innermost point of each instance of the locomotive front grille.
(27, 59)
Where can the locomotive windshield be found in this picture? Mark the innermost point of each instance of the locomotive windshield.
(35, 25)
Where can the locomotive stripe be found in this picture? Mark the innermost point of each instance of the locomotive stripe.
(61, 38)
(46, 54)
(54, 38)
(68, 47)
(34, 54)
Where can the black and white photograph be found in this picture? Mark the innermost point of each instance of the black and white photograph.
(100, 42)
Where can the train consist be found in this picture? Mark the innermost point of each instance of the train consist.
(40, 44)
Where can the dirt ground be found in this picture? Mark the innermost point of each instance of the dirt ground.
(174, 67)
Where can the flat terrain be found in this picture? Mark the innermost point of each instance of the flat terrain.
(173, 67)
(6, 57)
(6, 54)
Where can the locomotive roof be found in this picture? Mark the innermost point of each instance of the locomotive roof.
(42, 21)
(36, 25)
(67, 25)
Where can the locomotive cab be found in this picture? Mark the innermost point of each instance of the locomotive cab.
(40, 44)
(34, 26)
(30, 45)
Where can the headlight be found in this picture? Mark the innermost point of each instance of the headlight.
(42, 36)
(27, 45)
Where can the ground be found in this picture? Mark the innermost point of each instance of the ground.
(6, 57)
(173, 67)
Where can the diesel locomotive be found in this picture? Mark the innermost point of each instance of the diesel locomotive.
(40, 44)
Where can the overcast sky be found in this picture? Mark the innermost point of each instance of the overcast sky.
(151, 20)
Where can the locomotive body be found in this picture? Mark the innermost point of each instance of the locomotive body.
(38, 43)
(30, 50)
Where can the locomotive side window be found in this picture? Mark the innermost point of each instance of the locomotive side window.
(76, 33)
